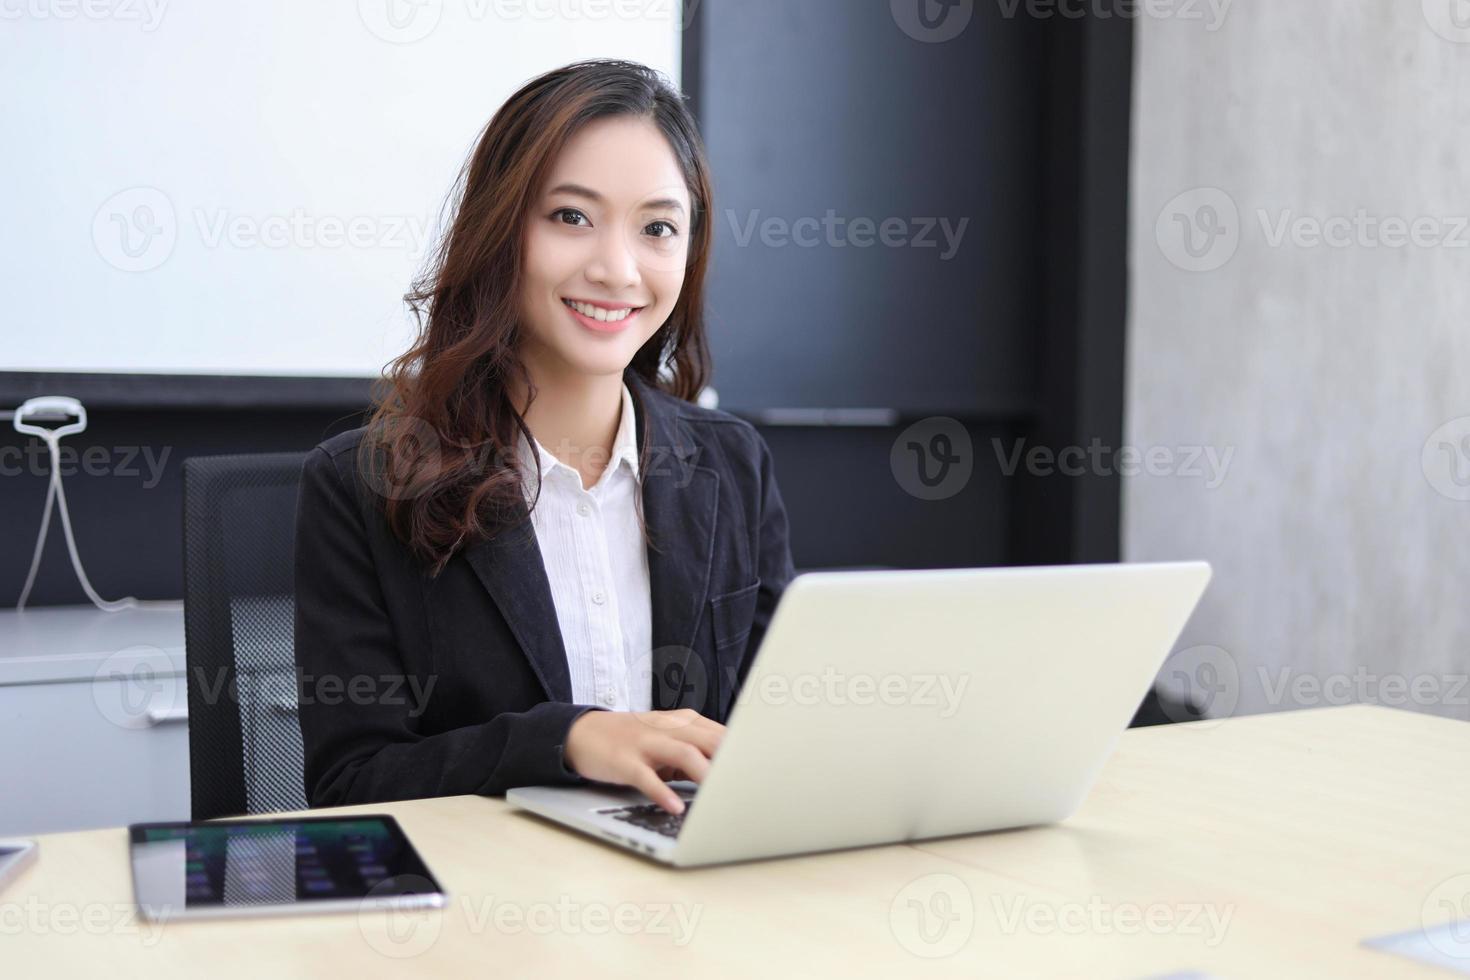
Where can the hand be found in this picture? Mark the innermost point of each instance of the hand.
(642, 749)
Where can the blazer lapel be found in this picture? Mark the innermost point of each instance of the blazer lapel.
(510, 567)
(680, 501)
(679, 507)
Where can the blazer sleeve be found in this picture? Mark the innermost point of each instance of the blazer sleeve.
(773, 559)
(365, 750)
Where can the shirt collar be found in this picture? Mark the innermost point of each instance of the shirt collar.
(624, 450)
(625, 443)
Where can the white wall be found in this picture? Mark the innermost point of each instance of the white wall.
(1340, 535)
(249, 188)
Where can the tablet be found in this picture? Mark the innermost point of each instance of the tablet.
(277, 867)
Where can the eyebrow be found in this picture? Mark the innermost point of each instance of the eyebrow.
(663, 203)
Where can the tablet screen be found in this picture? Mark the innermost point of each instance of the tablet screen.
(310, 863)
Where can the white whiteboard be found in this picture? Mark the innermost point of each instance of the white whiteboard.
(249, 189)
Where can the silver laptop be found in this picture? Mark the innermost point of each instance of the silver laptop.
(889, 706)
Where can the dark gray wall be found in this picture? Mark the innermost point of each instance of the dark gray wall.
(828, 106)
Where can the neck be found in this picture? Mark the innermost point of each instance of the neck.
(575, 417)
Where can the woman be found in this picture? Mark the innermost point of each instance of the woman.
(541, 562)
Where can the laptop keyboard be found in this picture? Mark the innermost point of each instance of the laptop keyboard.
(651, 816)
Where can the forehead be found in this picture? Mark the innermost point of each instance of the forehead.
(624, 158)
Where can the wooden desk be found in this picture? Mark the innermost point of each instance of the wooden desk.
(1254, 847)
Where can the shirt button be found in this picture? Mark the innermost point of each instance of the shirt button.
(599, 598)
(608, 699)
(583, 509)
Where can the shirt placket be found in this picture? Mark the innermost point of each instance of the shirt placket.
(605, 630)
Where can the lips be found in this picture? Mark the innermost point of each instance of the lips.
(602, 317)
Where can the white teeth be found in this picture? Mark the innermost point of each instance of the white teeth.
(598, 313)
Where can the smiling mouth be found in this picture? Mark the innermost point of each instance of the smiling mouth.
(599, 313)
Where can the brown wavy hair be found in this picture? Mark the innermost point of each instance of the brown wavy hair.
(442, 410)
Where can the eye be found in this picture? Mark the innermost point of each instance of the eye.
(561, 213)
(670, 229)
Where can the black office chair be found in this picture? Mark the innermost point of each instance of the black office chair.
(239, 624)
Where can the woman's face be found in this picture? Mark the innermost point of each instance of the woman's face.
(610, 234)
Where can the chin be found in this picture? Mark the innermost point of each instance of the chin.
(611, 360)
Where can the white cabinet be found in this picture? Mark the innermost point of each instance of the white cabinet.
(93, 719)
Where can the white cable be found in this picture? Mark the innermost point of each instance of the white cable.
(55, 493)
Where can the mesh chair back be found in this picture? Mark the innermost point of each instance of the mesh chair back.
(239, 623)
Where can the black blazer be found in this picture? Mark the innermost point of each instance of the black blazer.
(412, 686)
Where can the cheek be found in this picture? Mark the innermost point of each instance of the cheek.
(666, 285)
(549, 261)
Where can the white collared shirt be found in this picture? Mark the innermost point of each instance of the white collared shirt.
(597, 565)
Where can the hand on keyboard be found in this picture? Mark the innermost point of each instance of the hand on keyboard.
(651, 817)
(642, 749)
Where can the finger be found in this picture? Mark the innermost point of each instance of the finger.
(705, 738)
(680, 755)
(680, 719)
(644, 779)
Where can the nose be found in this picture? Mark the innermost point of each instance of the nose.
(613, 264)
